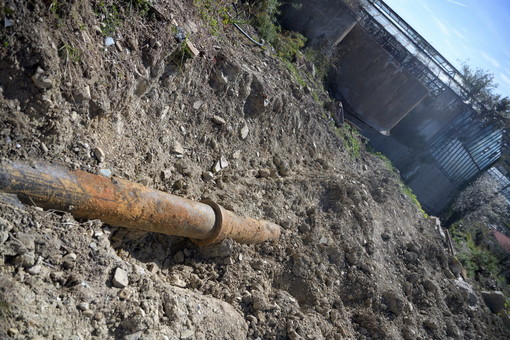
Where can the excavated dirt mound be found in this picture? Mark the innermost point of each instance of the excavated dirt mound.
(356, 260)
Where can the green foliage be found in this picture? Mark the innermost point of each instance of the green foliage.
(409, 193)
(480, 87)
(109, 16)
(320, 60)
(350, 138)
(214, 13)
(287, 44)
(474, 256)
(141, 6)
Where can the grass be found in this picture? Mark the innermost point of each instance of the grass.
(69, 53)
(214, 13)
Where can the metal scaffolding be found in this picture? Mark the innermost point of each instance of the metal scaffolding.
(409, 48)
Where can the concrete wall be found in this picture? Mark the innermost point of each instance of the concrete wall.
(428, 118)
(373, 83)
(324, 23)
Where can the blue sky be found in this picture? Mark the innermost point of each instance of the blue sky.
(475, 31)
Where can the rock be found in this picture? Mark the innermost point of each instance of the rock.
(83, 306)
(25, 260)
(260, 301)
(179, 257)
(223, 162)
(207, 176)
(88, 313)
(175, 280)
(187, 334)
(34, 270)
(197, 104)
(105, 172)
(5, 228)
(385, 236)
(98, 316)
(134, 336)
(177, 148)
(125, 294)
(192, 48)
(142, 87)
(27, 240)
(216, 167)
(223, 249)
(120, 278)
(244, 132)
(166, 174)
(495, 300)
(99, 154)
(12, 331)
(41, 80)
(218, 120)
(263, 173)
(236, 154)
(44, 148)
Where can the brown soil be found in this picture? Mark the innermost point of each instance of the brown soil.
(356, 260)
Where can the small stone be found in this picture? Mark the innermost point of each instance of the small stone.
(34, 270)
(192, 48)
(187, 334)
(99, 154)
(98, 316)
(12, 331)
(177, 148)
(495, 301)
(236, 154)
(264, 173)
(179, 257)
(385, 236)
(125, 294)
(44, 148)
(27, 240)
(152, 268)
(216, 167)
(223, 162)
(83, 306)
(166, 174)
(244, 132)
(120, 278)
(25, 260)
(41, 80)
(105, 172)
(175, 280)
(207, 176)
(179, 184)
(88, 313)
(197, 104)
(218, 120)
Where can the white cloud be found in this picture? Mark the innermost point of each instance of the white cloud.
(457, 3)
(490, 60)
(505, 78)
(442, 26)
(460, 35)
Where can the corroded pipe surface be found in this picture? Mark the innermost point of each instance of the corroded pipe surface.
(126, 204)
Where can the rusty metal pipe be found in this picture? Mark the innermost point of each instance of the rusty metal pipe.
(122, 203)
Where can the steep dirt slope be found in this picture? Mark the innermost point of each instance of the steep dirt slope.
(356, 259)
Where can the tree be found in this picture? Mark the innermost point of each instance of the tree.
(480, 86)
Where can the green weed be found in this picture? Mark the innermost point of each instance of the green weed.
(69, 53)
(109, 16)
(214, 13)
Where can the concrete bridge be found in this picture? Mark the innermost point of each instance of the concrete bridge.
(407, 98)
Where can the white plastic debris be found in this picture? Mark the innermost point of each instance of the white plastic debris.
(108, 41)
(8, 22)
